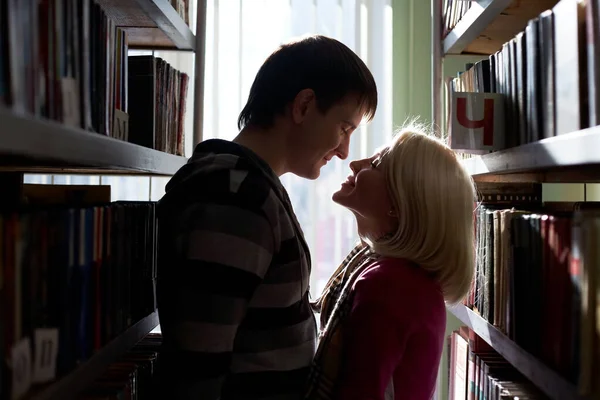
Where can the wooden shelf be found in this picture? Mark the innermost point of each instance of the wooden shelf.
(150, 24)
(85, 374)
(481, 14)
(546, 379)
(576, 150)
(28, 144)
(490, 23)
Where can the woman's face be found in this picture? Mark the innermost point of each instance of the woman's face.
(365, 193)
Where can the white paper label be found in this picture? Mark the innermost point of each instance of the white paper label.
(21, 368)
(181, 9)
(477, 122)
(70, 102)
(46, 351)
(120, 125)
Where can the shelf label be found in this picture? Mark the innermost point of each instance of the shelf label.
(181, 9)
(46, 351)
(21, 368)
(70, 102)
(120, 125)
(477, 122)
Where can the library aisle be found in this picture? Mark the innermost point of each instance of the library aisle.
(530, 327)
(78, 261)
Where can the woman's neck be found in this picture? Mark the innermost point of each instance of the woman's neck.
(374, 230)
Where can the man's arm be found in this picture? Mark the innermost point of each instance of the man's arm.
(227, 250)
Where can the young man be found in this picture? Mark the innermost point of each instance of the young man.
(234, 268)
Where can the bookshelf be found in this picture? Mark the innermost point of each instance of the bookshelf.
(86, 373)
(572, 150)
(490, 23)
(473, 24)
(92, 80)
(49, 146)
(551, 383)
(150, 24)
(547, 242)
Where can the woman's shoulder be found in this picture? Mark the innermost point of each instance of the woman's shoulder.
(399, 282)
(396, 273)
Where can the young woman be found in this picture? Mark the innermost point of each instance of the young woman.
(383, 313)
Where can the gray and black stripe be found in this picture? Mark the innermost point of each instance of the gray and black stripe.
(233, 281)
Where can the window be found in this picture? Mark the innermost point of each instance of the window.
(240, 35)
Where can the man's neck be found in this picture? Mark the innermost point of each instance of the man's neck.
(267, 144)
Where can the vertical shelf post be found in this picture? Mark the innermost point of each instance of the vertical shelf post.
(199, 67)
(436, 67)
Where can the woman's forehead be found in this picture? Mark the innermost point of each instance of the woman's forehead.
(380, 152)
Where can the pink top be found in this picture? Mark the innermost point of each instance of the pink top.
(395, 331)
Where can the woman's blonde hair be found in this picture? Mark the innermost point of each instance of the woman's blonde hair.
(434, 199)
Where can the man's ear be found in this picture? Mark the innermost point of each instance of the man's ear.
(304, 100)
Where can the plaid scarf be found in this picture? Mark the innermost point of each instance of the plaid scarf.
(336, 304)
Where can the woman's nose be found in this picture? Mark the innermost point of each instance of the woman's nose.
(357, 165)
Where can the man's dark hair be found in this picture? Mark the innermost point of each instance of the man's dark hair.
(322, 64)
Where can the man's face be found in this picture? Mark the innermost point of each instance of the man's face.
(321, 136)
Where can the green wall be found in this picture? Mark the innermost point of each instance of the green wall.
(412, 93)
(412, 56)
(412, 97)
(412, 60)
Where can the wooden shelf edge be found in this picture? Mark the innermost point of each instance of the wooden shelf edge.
(169, 21)
(574, 149)
(546, 379)
(472, 24)
(150, 24)
(85, 374)
(43, 143)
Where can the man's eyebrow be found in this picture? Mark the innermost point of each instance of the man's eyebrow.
(349, 124)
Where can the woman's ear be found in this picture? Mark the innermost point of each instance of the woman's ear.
(302, 103)
(392, 214)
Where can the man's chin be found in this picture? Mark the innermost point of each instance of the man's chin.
(310, 175)
(314, 175)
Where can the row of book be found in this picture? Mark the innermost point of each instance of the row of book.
(132, 376)
(63, 60)
(549, 74)
(452, 13)
(160, 91)
(72, 278)
(183, 9)
(537, 279)
(477, 371)
(67, 61)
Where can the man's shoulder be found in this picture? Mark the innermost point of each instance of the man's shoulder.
(217, 174)
(227, 182)
(216, 154)
(230, 173)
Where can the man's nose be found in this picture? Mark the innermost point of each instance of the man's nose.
(343, 149)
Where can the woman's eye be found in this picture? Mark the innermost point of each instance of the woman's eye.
(376, 162)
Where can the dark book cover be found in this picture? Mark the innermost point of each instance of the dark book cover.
(547, 78)
(142, 110)
(513, 121)
(534, 293)
(534, 105)
(522, 83)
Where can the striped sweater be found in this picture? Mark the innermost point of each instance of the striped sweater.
(233, 278)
